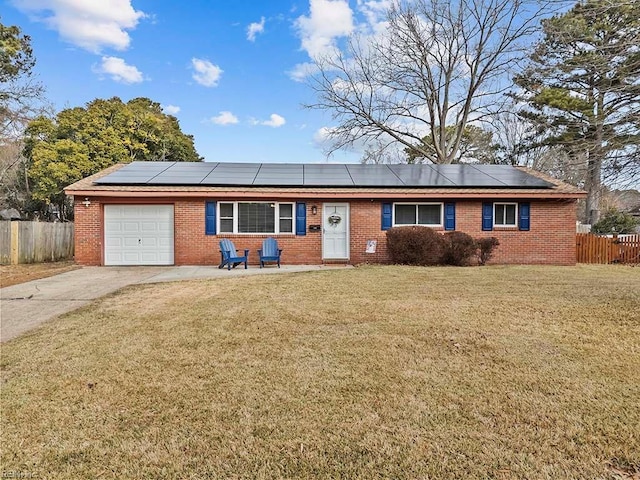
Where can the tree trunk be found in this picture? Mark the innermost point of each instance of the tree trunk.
(593, 183)
(593, 186)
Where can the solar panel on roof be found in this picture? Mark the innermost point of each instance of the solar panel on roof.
(232, 174)
(512, 176)
(281, 167)
(149, 166)
(326, 175)
(129, 180)
(178, 180)
(468, 177)
(194, 165)
(280, 174)
(373, 176)
(135, 173)
(425, 175)
(183, 173)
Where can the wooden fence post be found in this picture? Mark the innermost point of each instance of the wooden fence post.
(15, 243)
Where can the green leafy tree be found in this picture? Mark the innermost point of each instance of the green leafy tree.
(476, 145)
(160, 133)
(582, 87)
(54, 164)
(82, 141)
(16, 55)
(615, 221)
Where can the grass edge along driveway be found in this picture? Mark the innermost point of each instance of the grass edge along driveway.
(373, 372)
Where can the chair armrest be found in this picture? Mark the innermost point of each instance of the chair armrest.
(246, 252)
(279, 251)
(260, 251)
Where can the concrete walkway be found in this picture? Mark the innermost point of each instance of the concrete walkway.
(27, 305)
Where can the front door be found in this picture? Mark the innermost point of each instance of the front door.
(335, 231)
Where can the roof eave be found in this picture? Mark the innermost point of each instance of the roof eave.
(324, 194)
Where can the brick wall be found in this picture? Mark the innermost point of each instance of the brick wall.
(194, 247)
(88, 232)
(551, 239)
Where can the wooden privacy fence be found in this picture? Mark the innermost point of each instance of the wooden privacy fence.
(35, 242)
(619, 249)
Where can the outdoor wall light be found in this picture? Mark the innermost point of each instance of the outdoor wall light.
(86, 202)
(314, 210)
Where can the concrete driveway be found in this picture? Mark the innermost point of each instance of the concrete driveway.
(27, 305)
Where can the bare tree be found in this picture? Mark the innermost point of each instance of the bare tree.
(513, 136)
(439, 65)
(21, 99)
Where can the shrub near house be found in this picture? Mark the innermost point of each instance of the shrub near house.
(415, 246)
(424, 246)
(615, 221)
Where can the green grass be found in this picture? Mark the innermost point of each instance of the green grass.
(372, 372)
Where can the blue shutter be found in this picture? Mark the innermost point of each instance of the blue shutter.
(487, 216)
(301, 218)
(450, 216)
(525, 211)
(210, 218)
(386, 216)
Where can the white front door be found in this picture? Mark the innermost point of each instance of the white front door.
(335, 231)
(138, 234)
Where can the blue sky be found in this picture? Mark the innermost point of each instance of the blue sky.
(231, 71)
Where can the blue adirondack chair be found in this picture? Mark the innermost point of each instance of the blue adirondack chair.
(269, 251)
(230, 256)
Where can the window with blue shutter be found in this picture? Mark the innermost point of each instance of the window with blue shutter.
(524, 222)
(386, 216)
(450, 216)
(210, 218)
(301, 218)
(487, 216)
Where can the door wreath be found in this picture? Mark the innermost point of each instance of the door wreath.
(334, 219)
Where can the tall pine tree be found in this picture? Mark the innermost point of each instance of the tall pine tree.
(582, 90)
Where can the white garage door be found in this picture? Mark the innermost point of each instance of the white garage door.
(138, 234)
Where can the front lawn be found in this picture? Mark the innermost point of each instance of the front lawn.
(371, 372)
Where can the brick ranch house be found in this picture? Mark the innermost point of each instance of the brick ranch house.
(175, 213)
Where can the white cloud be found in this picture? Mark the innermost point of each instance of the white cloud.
(224, 118)
(118, 70)
(375, 13)
(302, 70)
(89, 24)
(274, 121)
(322, 137)
(328, 20)
(171, 109)
(206, 73)
(254, 29)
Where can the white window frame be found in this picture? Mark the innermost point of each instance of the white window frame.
(276, 223)
(416, 204)
(505, 225)
(219, 218)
